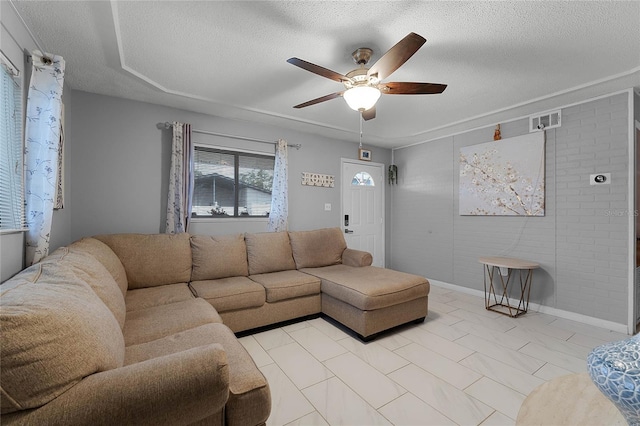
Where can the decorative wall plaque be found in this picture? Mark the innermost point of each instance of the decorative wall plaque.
(318, 179)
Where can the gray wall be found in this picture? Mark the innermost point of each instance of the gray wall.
(119, 167)
(61, 222)
(636, 115)
(582, 241)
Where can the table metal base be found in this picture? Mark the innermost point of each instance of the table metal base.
(500, 303)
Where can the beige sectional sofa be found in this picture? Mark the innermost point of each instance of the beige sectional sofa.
(139, 329)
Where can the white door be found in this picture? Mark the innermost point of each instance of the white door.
(363, 207)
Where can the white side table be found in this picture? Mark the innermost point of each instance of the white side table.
(497, 299)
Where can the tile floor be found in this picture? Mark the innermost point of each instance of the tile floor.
(464, 365)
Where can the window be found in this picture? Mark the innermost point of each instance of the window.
(11, 152)
(231, 184)
(362, 179)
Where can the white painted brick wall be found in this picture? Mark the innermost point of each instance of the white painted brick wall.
(581, 243)
(592, 237)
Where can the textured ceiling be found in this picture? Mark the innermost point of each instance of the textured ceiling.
(228, 58)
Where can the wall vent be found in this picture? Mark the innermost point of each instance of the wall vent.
(544, 121)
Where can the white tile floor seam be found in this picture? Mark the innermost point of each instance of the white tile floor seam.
(463, 365)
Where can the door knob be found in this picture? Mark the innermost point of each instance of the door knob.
(348, 231)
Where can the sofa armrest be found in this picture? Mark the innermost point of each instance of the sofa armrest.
(176, 389)
(352, 257)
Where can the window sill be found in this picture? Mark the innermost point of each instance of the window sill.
(229, 219)
(12, 231)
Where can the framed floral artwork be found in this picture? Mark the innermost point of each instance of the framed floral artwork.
(503, 178)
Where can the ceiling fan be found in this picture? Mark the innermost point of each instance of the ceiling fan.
(363, 86)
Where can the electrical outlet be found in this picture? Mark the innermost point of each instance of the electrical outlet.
(327, 207)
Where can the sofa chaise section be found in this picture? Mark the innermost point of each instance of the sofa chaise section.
(371, 299)
(365, 298)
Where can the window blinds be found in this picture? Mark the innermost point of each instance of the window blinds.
(11, 152)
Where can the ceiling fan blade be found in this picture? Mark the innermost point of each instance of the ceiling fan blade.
(405, 88)
(396, 56)
(317, 69)
(369, 114)
(320, 99)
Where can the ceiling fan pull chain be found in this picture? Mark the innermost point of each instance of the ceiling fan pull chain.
(360, 115)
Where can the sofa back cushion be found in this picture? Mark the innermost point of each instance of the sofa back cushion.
(269, 252)
(55, 331)
(218, 257)
(87, 268)
(320, 247)
(107, 257)
(152, 259)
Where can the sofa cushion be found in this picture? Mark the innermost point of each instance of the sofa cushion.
(173, 343)
(91, 271)
(54, 332)
(269, 252)
(152, 259)
(249, 399)
(218, 257)
(157, 322)
(249, 396)
(228, 294)
(369, 287)
(287, 284)
(107, 257)
(143, 298)
(321, 247)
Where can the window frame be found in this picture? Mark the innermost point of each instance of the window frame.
(14, 151)
(369, 182)
(236, 153)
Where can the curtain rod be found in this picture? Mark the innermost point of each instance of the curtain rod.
(13, 70)
(168, 125)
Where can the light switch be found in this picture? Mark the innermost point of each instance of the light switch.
(327, 207)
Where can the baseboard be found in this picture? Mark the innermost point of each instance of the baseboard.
(585, 319)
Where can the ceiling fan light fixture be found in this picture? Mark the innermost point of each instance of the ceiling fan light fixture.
(363, 86)
(361, 98)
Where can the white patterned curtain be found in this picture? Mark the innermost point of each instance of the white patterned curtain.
(180, 180)
(280, 190)
(59, 203)
(42, 142)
